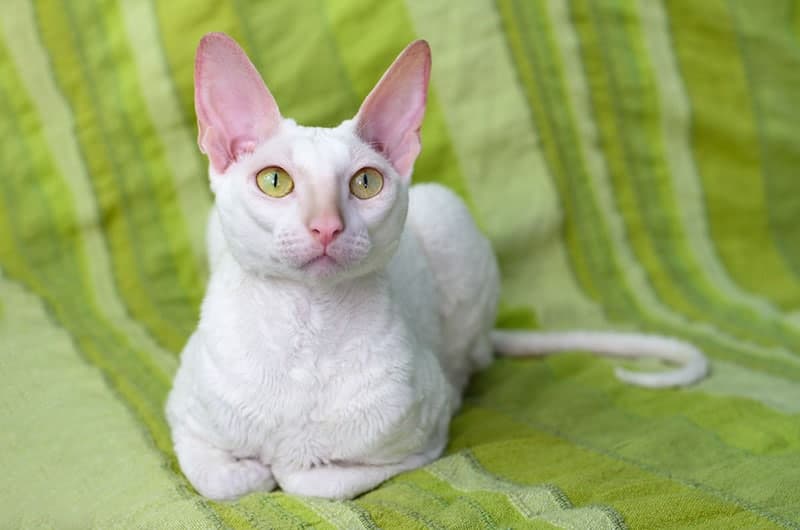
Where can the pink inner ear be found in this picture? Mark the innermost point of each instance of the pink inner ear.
(235, 110)
(391, 116)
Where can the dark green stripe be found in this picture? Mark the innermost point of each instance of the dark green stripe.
(144, 270)
(724, 143)
(524, 451)
(144, 259)
(177, 294)
(562, 163)
(130, 372)
(644, 187)
(316, 90)
(182, 23)
(586, 235)
(774, 85)
(367, 50)
(389, 514)
(681, 436)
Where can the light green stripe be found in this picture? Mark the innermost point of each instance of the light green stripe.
(116, 479)
(43, 262)
(341, 514)
(723, 140)
(525, 206)
(176, 133)
(545, 502)
(733, 380)
(30, 60)
(529, 199)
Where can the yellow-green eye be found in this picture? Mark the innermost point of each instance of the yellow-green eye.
(275, 182)
(366, 183)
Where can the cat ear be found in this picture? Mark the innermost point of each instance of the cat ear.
(235, 110)
(391, 115)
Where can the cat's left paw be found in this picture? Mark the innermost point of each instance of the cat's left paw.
(344, 481)
(329, 482)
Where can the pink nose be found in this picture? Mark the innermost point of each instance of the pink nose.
(326, 228)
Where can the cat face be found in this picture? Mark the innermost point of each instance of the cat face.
(303, 203)
(320, 230)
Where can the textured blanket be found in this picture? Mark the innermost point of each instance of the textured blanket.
(634, 163)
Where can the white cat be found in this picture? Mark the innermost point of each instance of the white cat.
(345, 312)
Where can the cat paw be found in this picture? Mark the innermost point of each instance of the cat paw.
(328, 482)
(344, 481)
(230, 479)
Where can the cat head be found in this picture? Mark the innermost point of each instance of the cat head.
(308, 203)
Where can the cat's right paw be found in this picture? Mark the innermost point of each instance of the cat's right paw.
(230, 479)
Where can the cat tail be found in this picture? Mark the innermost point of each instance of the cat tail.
(693, 364)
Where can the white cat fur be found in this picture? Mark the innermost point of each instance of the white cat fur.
(327, 380)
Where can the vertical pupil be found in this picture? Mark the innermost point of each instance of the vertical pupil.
(365, 179)
(275, 180)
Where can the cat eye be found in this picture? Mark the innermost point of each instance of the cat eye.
(275, 182)
(366, 183)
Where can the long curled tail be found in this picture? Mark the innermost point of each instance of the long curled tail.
(693, 364)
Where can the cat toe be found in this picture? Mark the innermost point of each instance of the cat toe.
(233, 479)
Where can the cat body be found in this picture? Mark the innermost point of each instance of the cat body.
(346, 309)
(369, 370)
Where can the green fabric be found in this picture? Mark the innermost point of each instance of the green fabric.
(634, 163)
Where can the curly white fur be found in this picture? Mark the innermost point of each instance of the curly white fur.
(326, 368)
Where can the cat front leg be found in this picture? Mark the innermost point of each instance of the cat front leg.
(346, 481)
(217, 474)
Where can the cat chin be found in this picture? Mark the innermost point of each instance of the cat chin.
(328, 271)
(322, 266)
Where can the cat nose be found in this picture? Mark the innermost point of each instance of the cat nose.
(326, 228)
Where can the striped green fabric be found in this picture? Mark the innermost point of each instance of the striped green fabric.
(633, 162)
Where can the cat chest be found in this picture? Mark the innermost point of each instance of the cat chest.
(307, 392)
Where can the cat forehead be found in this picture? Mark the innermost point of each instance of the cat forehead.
(316, 152)
(319, 150)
